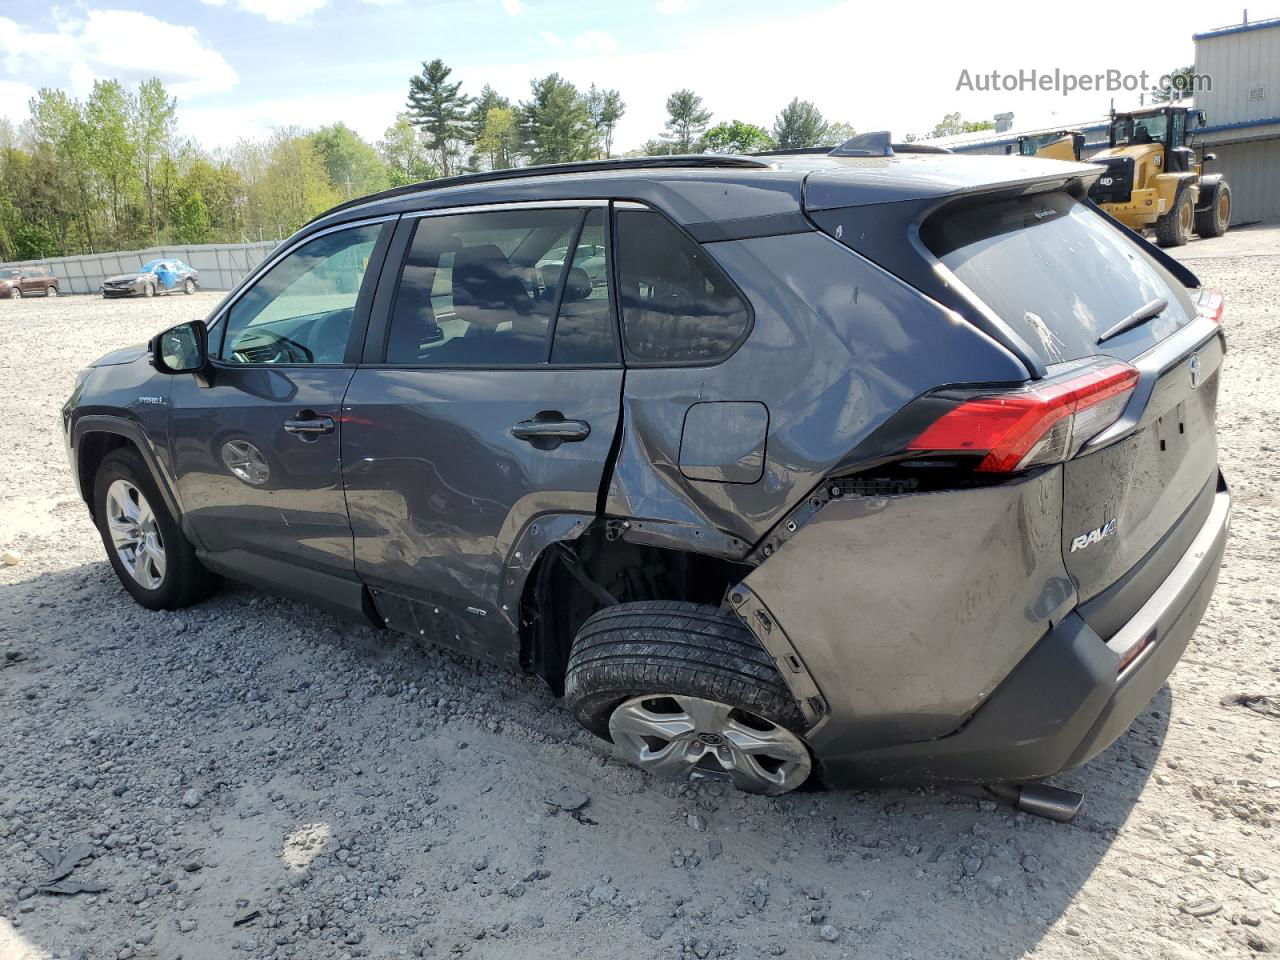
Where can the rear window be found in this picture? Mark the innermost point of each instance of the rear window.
(1058, 274)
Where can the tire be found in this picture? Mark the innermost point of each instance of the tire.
(149, 290)
(15, 293)
(188, 286)
(51, 292)
(1214, 220)
(1174, 228)
(674, 649)
(184, 580)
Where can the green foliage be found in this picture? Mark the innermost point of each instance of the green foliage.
(554, 123)
(836, 134)
(604, 108)
(405, 154)
(952, 124)
(800, 124)
(439, 108)
(737, 136)
(193, 221)
(1179, 85)
(32, 241)
(687, 120)
(499, 138)
(352, 165)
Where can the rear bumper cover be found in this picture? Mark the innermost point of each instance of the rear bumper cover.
(1065, 702)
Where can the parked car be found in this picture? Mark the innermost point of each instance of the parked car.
(899, 470)
(28, 282)
(153, 278)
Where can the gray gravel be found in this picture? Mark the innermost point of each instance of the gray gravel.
(254, 779)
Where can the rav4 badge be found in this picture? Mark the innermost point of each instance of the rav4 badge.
(1094, 535)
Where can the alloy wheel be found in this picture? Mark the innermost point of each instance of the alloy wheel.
(683, 737)
(135, 534)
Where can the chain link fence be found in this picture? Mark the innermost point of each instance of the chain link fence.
(221, 265)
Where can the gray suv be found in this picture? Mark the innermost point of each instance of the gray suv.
(884, 466)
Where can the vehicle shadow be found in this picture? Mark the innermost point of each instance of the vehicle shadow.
(645, 866)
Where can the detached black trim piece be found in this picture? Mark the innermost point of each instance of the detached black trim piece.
(747, 228)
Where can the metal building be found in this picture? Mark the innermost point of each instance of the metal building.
(1242, 113)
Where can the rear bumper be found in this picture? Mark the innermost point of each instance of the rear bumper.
(1066, 701)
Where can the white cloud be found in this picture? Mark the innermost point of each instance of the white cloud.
(384, 3)
(283, 11)
(669, 7)
(120, 44)
(550, 38)
(513, 7)
(595, 41)
(369, 114)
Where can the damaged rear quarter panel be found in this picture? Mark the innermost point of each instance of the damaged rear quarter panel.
(909, 610)
(838, 345)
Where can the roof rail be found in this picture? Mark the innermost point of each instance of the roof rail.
(554, 169)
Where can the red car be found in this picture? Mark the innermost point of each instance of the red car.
(29, 281)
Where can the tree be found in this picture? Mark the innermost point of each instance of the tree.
(61, 162)
(404, 153)
(155, 115)
(605, 108)
(193, 220)
(554, 122)
(499, 138)
(952, 124)
(800, 124)
(352, 165)
(1178, 85)
(440, 109)
(294, 186)
(836, 134)
(735, 136)
(687, 119)
(112, 151)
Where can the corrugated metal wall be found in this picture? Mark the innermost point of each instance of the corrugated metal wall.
(1253, 170)
(221, 265)
(1243, 64)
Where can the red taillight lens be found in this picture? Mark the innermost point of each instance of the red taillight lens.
(1210, 304)
(1046, 423)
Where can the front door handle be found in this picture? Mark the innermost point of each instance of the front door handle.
(548, 431)
(307, 426)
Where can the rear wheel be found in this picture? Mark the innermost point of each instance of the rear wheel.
(188, 286)
(1174, 228)
(150, 554)
(686, 692)
(52, 291)
(1214, 219)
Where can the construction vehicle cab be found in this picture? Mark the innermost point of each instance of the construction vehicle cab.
(1153, 178)
(1056, 145)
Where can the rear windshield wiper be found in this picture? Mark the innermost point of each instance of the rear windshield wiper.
(1148, 311)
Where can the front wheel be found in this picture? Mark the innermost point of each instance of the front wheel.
(150, 554)
(686, 692)
(16, 293)
(149, 290)
(1174, 228)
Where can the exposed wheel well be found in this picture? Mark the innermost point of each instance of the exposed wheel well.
(89, 453)
(558, 598)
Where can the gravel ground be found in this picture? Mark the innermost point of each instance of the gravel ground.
(251, 779)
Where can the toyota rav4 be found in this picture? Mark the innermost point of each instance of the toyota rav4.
(884, 464)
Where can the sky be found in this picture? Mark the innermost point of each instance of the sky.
(243, 67)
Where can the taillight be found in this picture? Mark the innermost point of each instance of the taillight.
(1045, 423)
(1210, 303)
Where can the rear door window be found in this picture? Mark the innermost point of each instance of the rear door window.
(1058, 274)
(678, 306)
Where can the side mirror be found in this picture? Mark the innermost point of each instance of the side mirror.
(181, 349)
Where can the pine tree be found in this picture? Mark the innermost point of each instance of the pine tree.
(687, 120)
(439, 109)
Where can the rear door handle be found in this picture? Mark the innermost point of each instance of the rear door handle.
(307, 426)
(548, 432)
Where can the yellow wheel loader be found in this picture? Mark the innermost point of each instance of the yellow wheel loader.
(1153, 178)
